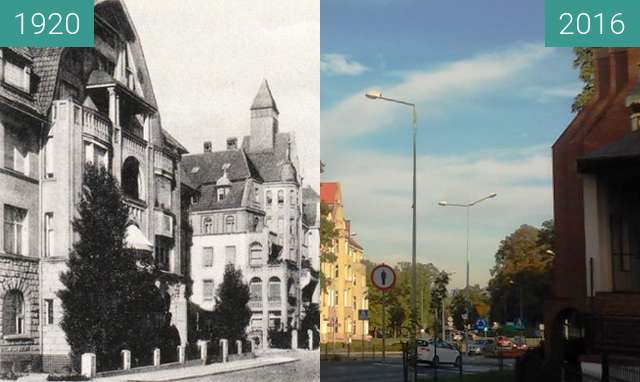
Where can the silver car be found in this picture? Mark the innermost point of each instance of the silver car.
(478, 347)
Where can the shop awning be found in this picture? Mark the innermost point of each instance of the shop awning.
(136, 240)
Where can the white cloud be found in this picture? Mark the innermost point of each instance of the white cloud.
(433, 88)
(377, 197)
(340, 64)
(544, 94)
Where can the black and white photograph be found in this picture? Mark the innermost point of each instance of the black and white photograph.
(159, 194)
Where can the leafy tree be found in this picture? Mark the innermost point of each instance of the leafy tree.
(310, 321)
(584, 61)
(110, 301)
(232, 314)
(438, 295)
(328, 238)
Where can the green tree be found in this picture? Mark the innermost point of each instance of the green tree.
(232, 314)
(584, 62)
(328, 238)
(438, 295)
(110, 301)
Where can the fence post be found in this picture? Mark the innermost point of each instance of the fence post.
(310, 337)
(239, 346)
(294, 339)
(181, 354)
(156, 357)
(203, 350)
(224, 344)
(88, 365)
(126, 359)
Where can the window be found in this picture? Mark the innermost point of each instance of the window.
(346, 297)
(207, 290)
(336, 298)
(16, 153)
(274, 289)
(328, 298)
(48, 311)
(230, 254)
(207, 257)
(13, 321)
(292, 227)
(15, 230)
(49, 158)
(256, 323)
(132, 180)
(256, 195)
(163, 253)
(337, 271)
(355, 302)
(222, 193)
(275, 320)
(280, 198)
(255, 289)
(292, 197)
(49, 235)
(255, 255)
(98, 156)
(16, 74)
(207, 225)
(269, 198)
(229, 224)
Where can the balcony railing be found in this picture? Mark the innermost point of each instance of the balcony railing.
(133, 145)
(136, 212)
(93, 123)
(164, 224)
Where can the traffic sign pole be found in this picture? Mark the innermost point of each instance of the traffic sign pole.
(384, 328)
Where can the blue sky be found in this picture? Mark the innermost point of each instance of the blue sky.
(491, 100)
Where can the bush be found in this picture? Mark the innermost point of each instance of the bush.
(280, 339)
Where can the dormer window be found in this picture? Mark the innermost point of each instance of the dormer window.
(222, 193)
(15, 70)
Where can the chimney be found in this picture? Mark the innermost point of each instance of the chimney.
(207, 147)
(232, 143)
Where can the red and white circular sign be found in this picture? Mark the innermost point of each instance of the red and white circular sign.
(383, 277)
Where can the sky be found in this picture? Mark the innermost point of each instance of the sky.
(490, 98)
(207, 60)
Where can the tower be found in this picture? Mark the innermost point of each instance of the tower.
(264, 121)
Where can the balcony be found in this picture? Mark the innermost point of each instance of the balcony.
(132, 145)
(164, 224)
(93, 123)
(163, 164)
(275, 302)
(255, 304)
(136, 211)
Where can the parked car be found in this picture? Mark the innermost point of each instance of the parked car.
(478, 346)
(442, 353)
(503, 343)
(519, 343)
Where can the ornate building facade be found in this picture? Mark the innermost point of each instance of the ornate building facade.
(59, 109)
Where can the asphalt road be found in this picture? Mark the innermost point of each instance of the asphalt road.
(391, 369)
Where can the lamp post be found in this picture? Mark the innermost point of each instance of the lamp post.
(375, 95)
(467, 206)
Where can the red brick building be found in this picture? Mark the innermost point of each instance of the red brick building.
(595, 301)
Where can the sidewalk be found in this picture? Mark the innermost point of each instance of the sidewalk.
(199, 371)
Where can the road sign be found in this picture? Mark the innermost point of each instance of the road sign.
(363, 314)
(383, 277)
(481, 324)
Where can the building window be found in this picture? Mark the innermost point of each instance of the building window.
(49, 158)
(48, 311)
(269, 198)
(207, 290)
(163, 253)
(280, 198)
(255, 255)
(229, 224)
(15, 230)
(292, 197)
(230, 254)
(355, 302)
(15, 74)
(256, 323)
(275, 320)
(49, 236)
(222, 193)
(256, 195)
(274, 289)
(16, 153)
(207, 225)
(97, 155)
(13, 321)
(337, 272)
(336, 298)
(346, 297)
(328, 298)
(207, 257)
(255, 289)
(132, 180)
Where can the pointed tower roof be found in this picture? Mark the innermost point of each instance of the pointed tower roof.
(264, 98)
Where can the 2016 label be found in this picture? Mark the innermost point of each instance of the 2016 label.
(582, 24)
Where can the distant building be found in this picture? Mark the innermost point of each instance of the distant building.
(310, 281)
(249, 214)
(595, 302)
(346, 290)
(59, 109)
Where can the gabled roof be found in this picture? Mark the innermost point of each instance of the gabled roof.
(206, 168)
(208, 200)
(269, 164)
(264, 98)
(329, 192)
(173, 142)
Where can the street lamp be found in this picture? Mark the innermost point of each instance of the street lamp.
(375, 95)
(467, 206)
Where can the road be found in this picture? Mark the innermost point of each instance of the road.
(391, 369)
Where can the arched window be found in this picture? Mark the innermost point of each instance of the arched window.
(229, 223)
(13, 320)
(274, 289)
(132, 181)
(280, 198)
(337, 272)
(255, 254)
(207, 225)
(255, 289)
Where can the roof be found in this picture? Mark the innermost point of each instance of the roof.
(269, 164)
(208, 200)
(264, 98)
(329, 192)
(625, 149)
(174, 142)
(206, 168)
(100, 77)
(354, 243)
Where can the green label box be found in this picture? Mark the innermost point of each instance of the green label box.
(46, 23)
(592, 23)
